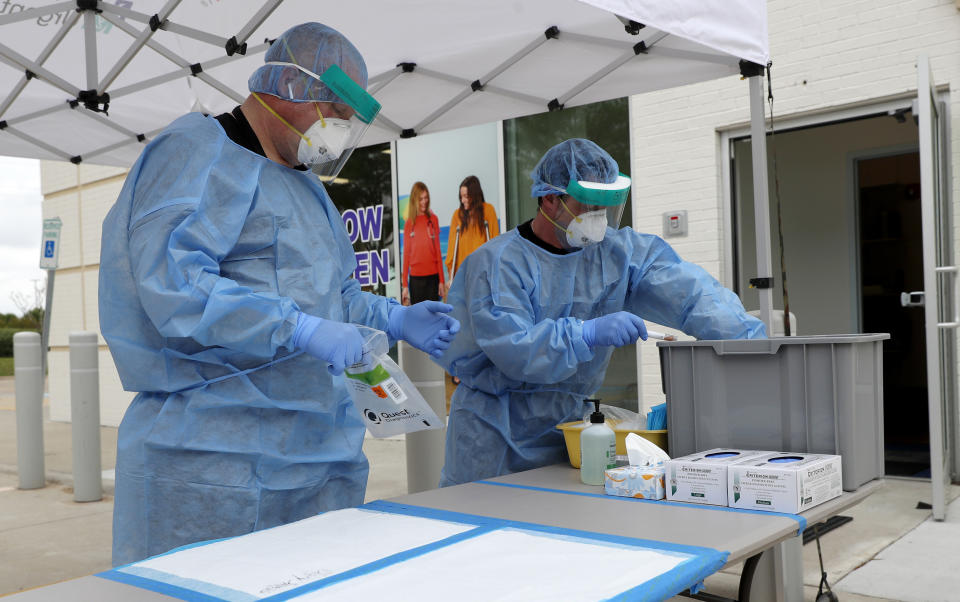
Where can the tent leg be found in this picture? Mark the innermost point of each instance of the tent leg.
(761, 198)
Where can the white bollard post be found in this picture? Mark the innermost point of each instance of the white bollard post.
(28, 382)
(425, 448)
(85, 416)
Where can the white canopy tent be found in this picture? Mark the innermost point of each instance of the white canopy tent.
(94, 80)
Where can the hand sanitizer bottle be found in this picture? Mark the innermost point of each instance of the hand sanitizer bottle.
(598, 448)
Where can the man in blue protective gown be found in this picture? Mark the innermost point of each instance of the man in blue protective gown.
(543, 306)
(227, 301)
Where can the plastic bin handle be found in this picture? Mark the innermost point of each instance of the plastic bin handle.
(746, 347)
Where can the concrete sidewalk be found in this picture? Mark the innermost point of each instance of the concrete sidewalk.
(47, 537)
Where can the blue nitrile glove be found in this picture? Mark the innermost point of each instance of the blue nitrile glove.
(337, 343)
(616, 329)
(425, 325)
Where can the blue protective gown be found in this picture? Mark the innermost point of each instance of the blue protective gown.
(207, 256)
(520, 356)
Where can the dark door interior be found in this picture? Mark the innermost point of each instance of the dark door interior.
(891, 262)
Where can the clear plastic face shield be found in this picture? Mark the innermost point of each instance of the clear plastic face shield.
(329, 142)
(589, 208)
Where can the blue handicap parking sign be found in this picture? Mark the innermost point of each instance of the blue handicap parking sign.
(48, 248)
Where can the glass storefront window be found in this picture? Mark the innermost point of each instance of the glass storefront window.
(362, 194)
(526, 139)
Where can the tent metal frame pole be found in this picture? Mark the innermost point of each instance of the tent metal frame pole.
(106, 149)
(180, 61)
(25, 63)
(106, 122)
(183, 72)
(265, 11)
(90, 47)
(60, 106)
(221, 87)
(453, 79)
(139, 41)
(41, 59)
(514, 59)
(196, 34)
(389, 122)
(446, 107)
(761, 198)
(478, 84)
(39, 11)
(383, 80)
(166, 25)
(37, 143)
(611, 67)
(534, 100)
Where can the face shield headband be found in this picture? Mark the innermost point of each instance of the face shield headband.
(600, 204)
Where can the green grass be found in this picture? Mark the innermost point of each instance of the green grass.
(6, 366)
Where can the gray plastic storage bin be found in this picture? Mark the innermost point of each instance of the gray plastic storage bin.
(817, 394)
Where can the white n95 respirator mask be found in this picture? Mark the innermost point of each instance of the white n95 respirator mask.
(323, 142)
(587, 228)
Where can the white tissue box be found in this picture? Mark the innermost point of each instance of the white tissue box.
(702, 478)
(635, 481)
(765, 483)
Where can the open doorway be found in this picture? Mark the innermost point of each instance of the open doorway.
(891, 263)
(850, 207)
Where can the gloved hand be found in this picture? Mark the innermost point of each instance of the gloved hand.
(616, 329)
(425, 325)
(337, 343)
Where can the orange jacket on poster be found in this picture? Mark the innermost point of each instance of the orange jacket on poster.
(469, 239)
(421, 248)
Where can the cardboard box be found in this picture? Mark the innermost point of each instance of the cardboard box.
(635, 481)
(701, 478)
(784, 482)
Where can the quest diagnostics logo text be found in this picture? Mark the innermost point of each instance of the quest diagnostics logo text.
(378, 417)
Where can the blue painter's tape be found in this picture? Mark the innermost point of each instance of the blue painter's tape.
(472, 519)
(688, 575)
(378, 564)
(161, 587)
(802, 521)
(699, 562)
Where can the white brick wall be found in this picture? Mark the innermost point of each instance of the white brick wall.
(825, 54)
(82, 209)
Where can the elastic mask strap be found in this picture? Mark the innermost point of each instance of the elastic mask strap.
(576, 217)
(540, 209)
(287, 123)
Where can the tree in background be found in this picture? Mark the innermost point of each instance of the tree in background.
(30, 306)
